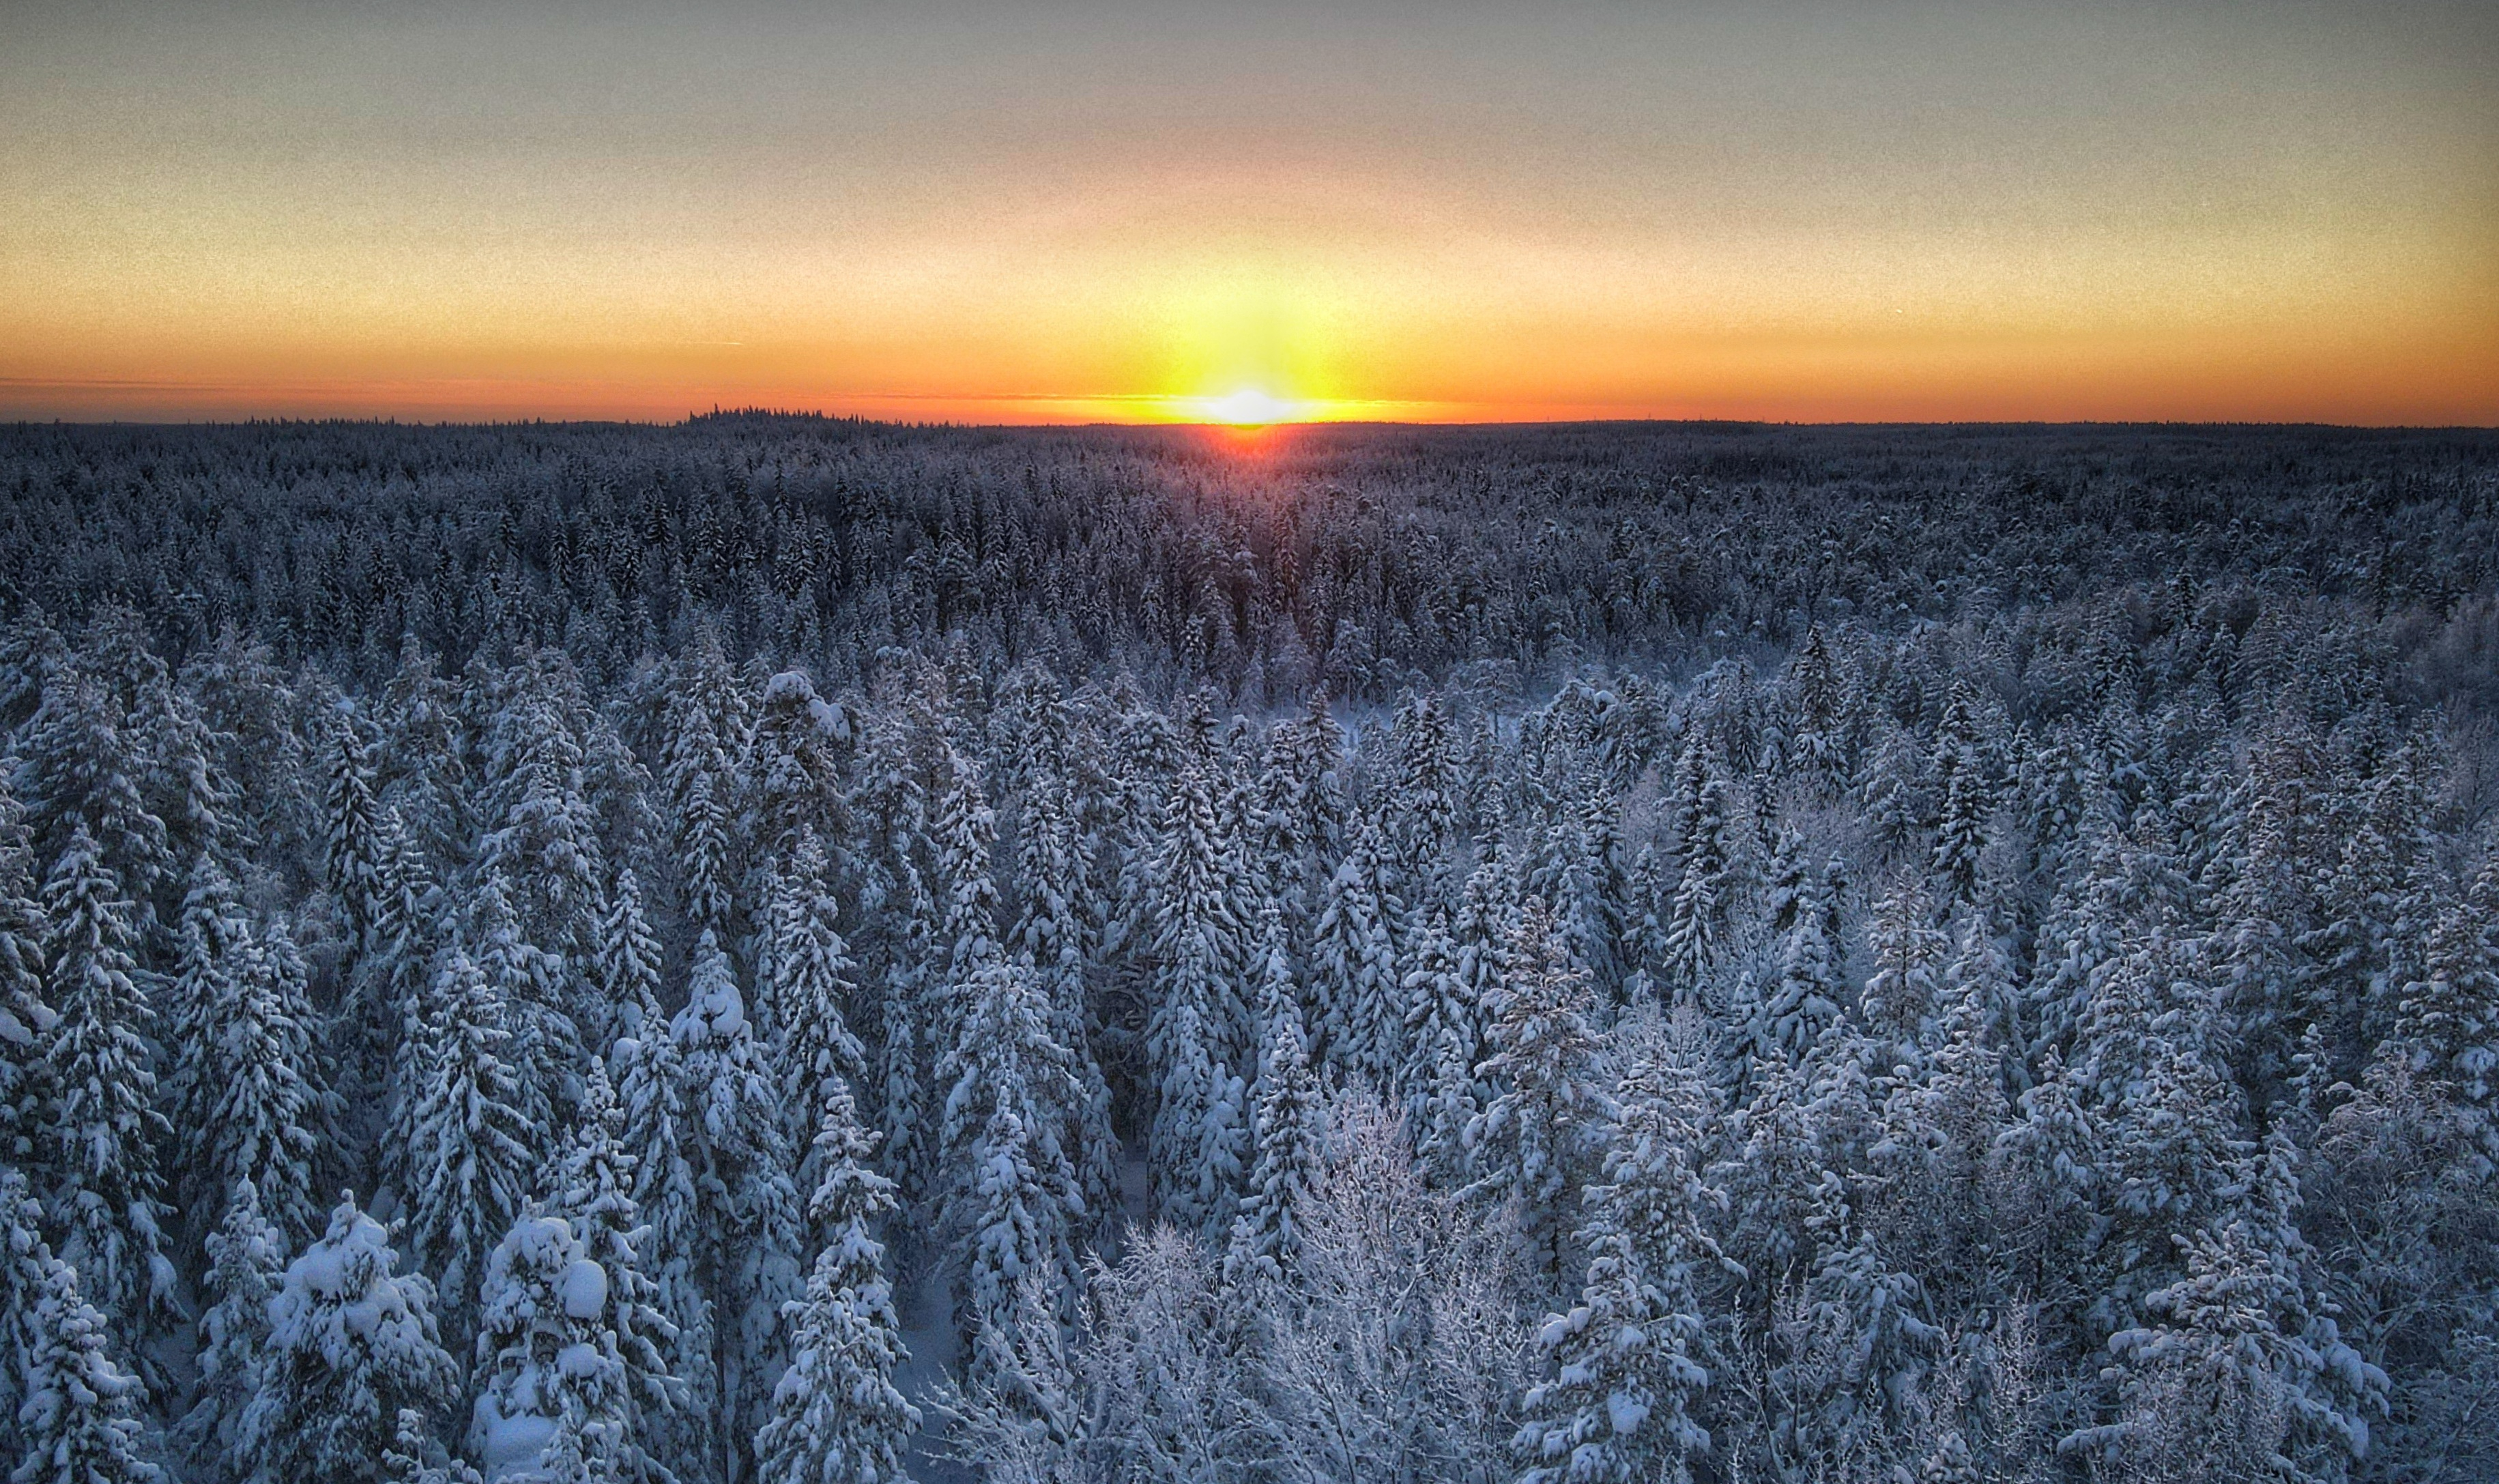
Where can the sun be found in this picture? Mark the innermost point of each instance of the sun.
(1248, 408)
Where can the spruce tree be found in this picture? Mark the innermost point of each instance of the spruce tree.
(246, 1265)
(83, 1416)
(1531, 1144)
(1627, 1364)
(471, 1140)
(102, 1129)
(1288, 1134)
(591, 1190)
(351, 1341)
(837, 1417)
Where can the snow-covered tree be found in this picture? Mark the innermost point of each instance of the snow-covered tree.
(351, 1341)
(552, 1404)
(837, 1416)
(591, 1189)
(1532, 1144)
(102, 1128)
(472, 1142)
(1626, 1365)
(1288, 1134)
(246, 1265)
(1353, 968)
(83, 1416)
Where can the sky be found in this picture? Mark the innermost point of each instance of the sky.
(1033, 211)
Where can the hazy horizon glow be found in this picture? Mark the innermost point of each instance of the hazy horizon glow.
(1080, 212)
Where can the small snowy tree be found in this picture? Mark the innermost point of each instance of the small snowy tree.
(553, 1405)
(351, 1341)
(246, 1265)
(82, 1417)
(837, 1417)
(104, 1131)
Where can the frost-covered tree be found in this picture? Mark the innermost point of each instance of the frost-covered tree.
(351, 1341)
(808, 972)
(1353, 968)
(247, 1265)
(82, 1419)
(747, 1227)
(102, 1130)
(268, 1120)
(1532, 1144)
(1625, 1367)
(591, 1190)
(1288, 1134)
(472, 1142)
(837, 1415)
(553, 1404)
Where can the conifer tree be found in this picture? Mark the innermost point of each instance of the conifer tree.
(747, 1239)
(809, 973)
(102, 1128)
(82, 1415)
(351, 1341)
(472, 1142)
(1626, 1365)
(553, 1404)
(26, 1020)
(837, 1416)
(667, 1194)
(1288, 1134)
(1531, 1144)
(267, 1121)
(1353, 968)
(591, 1190)
(627, 967)
(246, 1265)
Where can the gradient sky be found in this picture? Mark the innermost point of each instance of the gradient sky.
(1033, 211)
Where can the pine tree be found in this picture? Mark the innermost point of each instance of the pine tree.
(1353, 968)
(1627, 1363)
(837, 1417)
(82, 1415)
(247, 1265)
(1290, 1134)
(1695, 915)
(2449, 1018)
(1531, 1146)
(471, 1139)
(553, 1404)
(351, 1343)
(212, 939)
(1909, 952)
(103, 1130)
(591, 1190)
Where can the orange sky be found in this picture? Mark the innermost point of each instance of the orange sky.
(1045, 212)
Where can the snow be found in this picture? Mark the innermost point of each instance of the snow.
(585, 1290)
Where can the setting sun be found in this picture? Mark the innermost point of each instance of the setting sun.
(1248, 408)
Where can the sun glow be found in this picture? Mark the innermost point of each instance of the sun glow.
(1248, 408)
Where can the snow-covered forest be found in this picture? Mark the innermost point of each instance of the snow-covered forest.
(790, 950)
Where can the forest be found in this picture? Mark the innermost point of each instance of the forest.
(793, 949)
